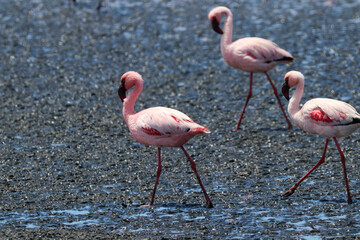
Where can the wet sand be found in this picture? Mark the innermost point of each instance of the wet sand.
(70, 169)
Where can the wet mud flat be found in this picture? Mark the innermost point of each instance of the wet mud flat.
(70, 169)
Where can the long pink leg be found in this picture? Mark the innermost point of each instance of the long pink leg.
(342, 158)
(193, 166)
(246, 102)
(157, 179)
(278, 99)
(321, 161)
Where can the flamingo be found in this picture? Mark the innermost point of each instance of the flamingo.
(158, 126)
(250, 54)
(323, 116)
(97, 8)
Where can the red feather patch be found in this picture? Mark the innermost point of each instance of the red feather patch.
(151, 131)
(177, 120)
(319, 115)
(251, 55)
(188, 120)
(342, 115)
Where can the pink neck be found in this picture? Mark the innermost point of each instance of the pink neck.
(294, 102)
(129, 101)
(226, 38)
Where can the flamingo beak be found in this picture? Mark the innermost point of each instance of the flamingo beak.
(122, 91)
(216, 26)
(285, 89)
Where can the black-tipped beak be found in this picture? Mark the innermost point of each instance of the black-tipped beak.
(216, 26)
(122, 92)
(285, 89)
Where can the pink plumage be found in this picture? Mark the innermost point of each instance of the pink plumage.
(250, 54)
(163, 127)
(157, 126)
(323, 116)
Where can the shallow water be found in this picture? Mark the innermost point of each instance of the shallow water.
(70, 169)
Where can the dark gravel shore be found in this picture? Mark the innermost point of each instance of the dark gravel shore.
(69, 168)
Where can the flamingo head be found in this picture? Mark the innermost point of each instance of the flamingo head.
(285, 89)
(215, 23)
(291, 79)
(215, 18)
(128, 80)
(122, 91)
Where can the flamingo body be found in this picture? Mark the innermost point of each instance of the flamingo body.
(253, 54)
(163, 127)
(158, 126)
(250, 54)
(323, 116)
(327, 117)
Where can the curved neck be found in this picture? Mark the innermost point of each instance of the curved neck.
(129, 101)
(226, 38)
(294, 102)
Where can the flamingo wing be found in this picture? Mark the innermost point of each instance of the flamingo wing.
(164, 122)
(324, 111)
(259, 49)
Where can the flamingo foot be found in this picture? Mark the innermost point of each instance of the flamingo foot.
(209, 204)
(238, 124)
(289, 192)
(146, 205)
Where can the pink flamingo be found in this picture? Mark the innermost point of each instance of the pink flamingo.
(158, 126)
(250, 54)
(323, 116)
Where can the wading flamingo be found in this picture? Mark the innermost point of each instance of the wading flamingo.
(323, 116)
(250, 54)
(158, 126)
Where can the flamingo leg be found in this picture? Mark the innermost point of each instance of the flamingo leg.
(342, 158)
(246, 102)
(321, 161)
(278, 99)
(99, 5)
(193, 166)
(156, 181)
